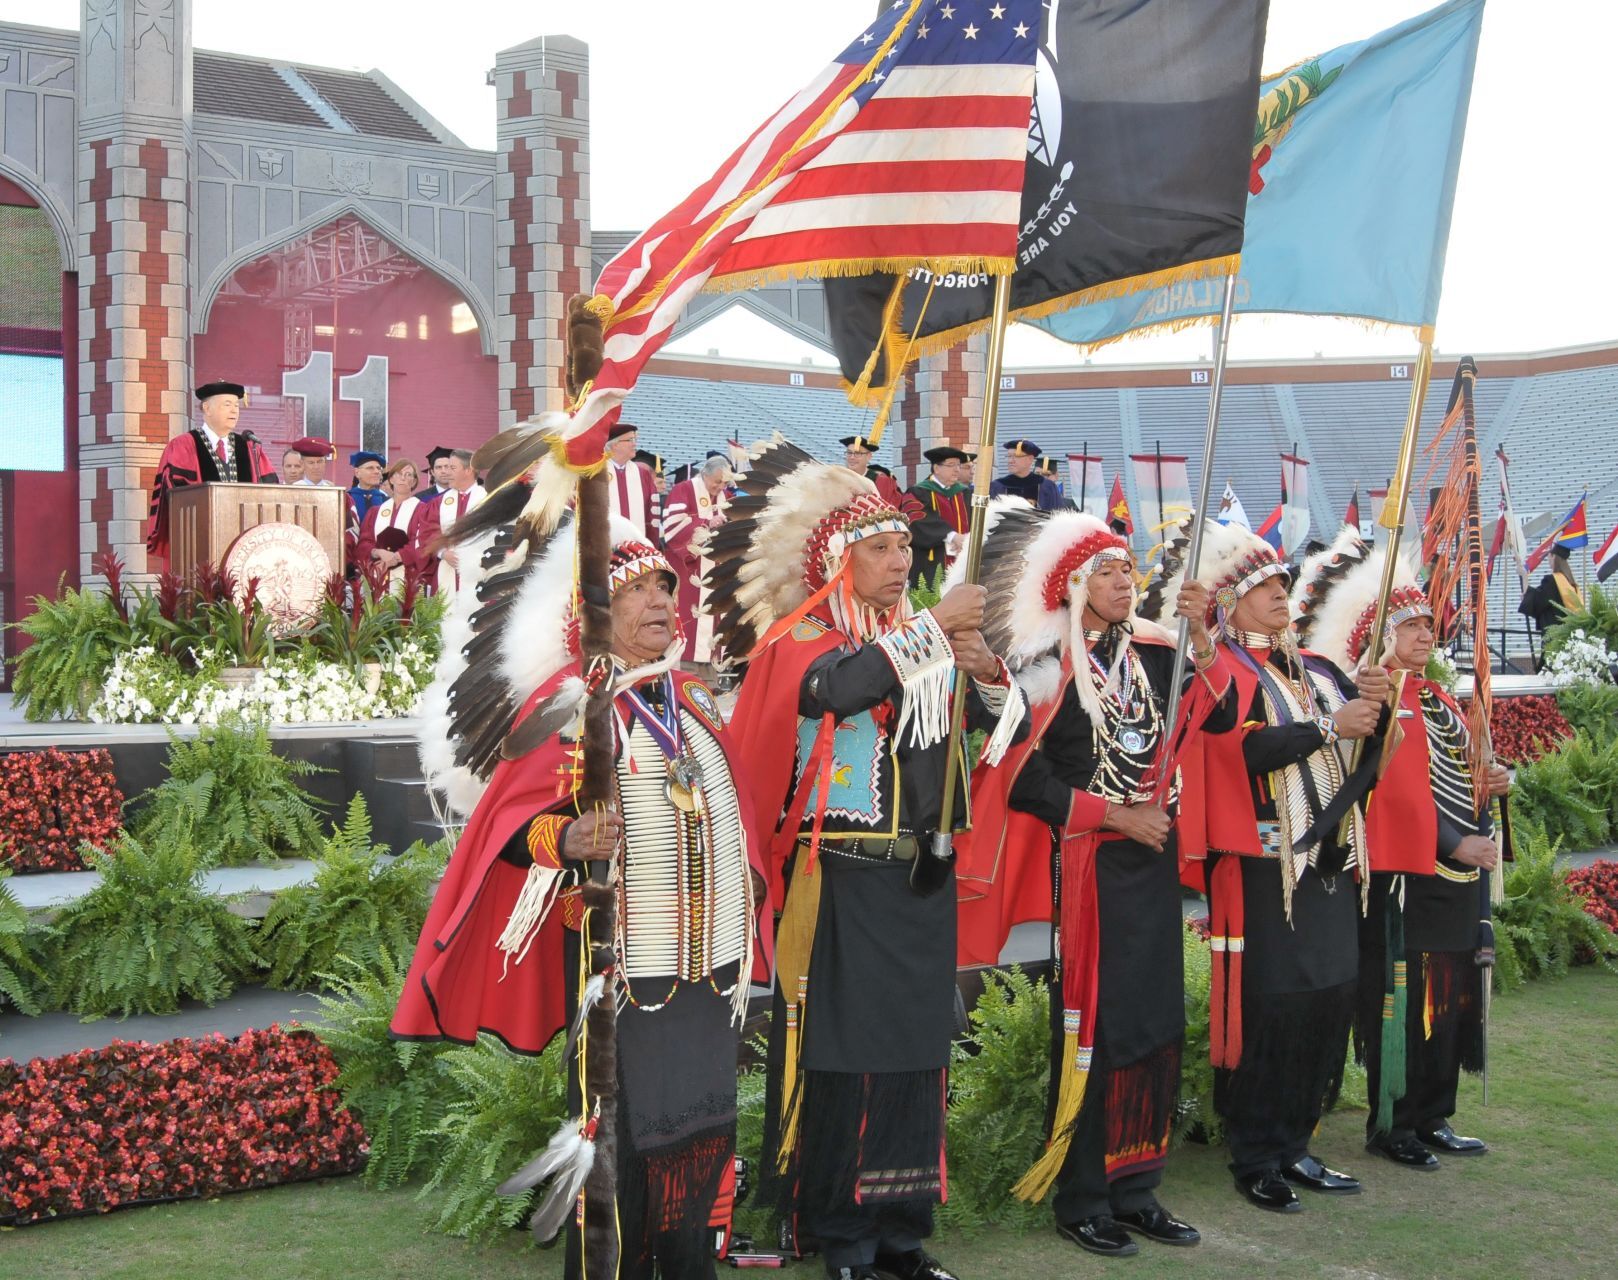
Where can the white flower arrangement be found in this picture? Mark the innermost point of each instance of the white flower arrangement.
(146, 687)
(1582, 659)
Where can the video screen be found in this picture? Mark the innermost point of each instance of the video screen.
(31, 435)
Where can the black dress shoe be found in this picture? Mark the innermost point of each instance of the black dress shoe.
(1310, 1174)
(1404, 1151)
(1269, 1190)
(1157, 1223)
(917, 1264)
(1451, 1143)
(1100, 1234)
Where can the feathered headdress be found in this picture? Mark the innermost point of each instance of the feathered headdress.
(1334, 599)
(784, 544)
(1036, 564)
(512, 626)
(1234, 561)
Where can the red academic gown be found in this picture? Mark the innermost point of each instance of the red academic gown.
(187, 459)
(386, 515)
(455, 987)
(687, 508)
(633, 490)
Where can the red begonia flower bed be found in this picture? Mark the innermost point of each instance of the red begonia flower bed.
(53, 801)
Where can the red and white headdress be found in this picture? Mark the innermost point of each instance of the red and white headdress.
(510, 628)
(1036, 568)
(1234, 561)
(1334, 601)
(784, 544)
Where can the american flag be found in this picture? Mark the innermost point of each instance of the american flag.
(908, 150)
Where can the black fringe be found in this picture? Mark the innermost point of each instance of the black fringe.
(1294, 1047)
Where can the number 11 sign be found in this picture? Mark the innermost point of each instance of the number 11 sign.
(368, 387)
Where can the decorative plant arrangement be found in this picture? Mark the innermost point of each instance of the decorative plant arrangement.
(197, 650)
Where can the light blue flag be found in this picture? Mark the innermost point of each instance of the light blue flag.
(1354, 161)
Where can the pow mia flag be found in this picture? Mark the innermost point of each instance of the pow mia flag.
(1139, 152)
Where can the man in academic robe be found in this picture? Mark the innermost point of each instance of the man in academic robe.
(366, 492)
(316, 456)
(291, 466)
(500, 950)
(945, 498)
(630, 482)
(1431, 843)
(1023, 481)
(437, 471)
(211, 452)
(464, 494)
(847, 697)
(1046, 467)
(858, 457)
(1093, 773)
(1273, 830)
(693, 506)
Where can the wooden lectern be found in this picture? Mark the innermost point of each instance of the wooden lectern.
(204, 519)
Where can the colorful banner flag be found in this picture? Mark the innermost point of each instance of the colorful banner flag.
(1354, 158)
(1378, 499)
(1118, 506)
(1294, 501)
(1270, 530)
(1164, 489)
(906, 151)
(1137, 158)
(1570, 534)
(1231, 510)
(1607, 558)
(1351, 516)
(1085, 485)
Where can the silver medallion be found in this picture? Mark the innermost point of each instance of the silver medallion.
(1132, 741)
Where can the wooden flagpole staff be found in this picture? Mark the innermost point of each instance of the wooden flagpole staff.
(931, 867)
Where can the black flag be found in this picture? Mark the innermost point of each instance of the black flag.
(1139, 150)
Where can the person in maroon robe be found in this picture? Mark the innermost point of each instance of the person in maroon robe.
(693, 505)
(212, 452)
(631, 483)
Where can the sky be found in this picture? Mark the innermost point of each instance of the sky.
(676, 84)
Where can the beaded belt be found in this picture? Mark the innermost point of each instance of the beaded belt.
(875, 848)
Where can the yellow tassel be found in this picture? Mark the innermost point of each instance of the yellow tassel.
(1037, 1182)
(600, 306)
(794, 941)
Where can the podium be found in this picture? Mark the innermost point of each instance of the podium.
(204, 519)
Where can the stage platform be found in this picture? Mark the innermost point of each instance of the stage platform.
(376, 758)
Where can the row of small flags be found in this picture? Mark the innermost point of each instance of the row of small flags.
(1164, 489)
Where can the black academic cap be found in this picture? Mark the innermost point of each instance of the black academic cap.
(945, 452)
(221, 388)
(1024, 448)
(436, 452)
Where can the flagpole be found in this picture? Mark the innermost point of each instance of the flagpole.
(928, 871)
(1393, 514)
(1084, 475)
(1193, 555)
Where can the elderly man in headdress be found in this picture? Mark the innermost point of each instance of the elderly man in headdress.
(500, 951)
(1421, 987)
(842, 718)
(1274, 831)
(212, 452)
(1098, 771)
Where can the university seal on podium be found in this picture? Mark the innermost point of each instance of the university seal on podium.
(291, 568)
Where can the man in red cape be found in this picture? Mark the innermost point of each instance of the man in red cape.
(1430, 842)
(1098, 770)
(500, 950)
(842, 719)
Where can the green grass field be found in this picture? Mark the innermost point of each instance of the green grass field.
(1542, 1204)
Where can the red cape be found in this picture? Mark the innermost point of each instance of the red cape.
(184, 463)
(455, 987)
(1401, 820)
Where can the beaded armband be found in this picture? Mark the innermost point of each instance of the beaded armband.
(545, 839)
(1328, 730)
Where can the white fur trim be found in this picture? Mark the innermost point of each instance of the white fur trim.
(1332, 619)
(1041, 681)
